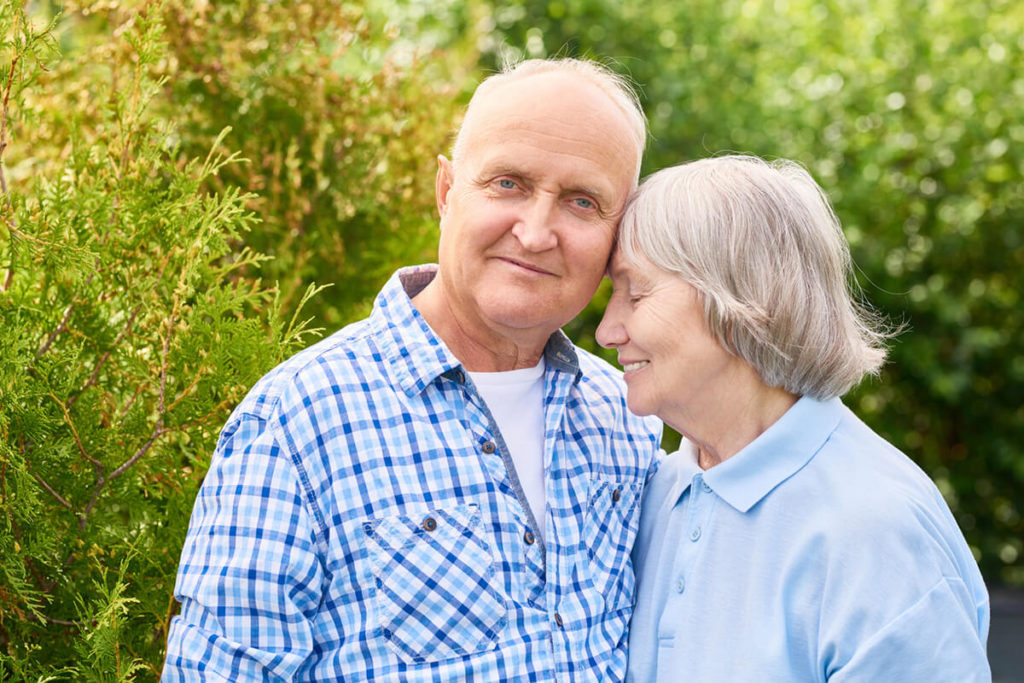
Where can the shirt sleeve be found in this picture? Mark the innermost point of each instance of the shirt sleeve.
(940, 638)
(250, 579)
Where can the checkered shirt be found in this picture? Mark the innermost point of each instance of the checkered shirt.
(361, 521)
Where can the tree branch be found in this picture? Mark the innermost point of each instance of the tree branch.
(158, 430)
(92, 381)
(9, 275)
(53, 493)
(74, 432)
(103, 481)
(60, 328)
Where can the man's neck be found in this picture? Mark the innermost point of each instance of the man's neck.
(479, 347)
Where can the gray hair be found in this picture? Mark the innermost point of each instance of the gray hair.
(615, 86)
(763, 247)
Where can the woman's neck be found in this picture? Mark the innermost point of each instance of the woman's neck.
(731, 418)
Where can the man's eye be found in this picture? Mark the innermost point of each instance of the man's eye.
(507, 184)
(584, 203)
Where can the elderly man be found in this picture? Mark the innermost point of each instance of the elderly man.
(447, 490)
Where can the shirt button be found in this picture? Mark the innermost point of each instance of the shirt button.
(429, 524)
(528, 537)
(558, 620)
(488, 447)
(695, 534)
(680, 584)
(459, 377)
(616, 495)
(704, 485)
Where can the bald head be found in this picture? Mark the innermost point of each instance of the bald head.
(519, 80)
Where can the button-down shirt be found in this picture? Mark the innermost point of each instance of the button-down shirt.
(817, 553)
(360, 521)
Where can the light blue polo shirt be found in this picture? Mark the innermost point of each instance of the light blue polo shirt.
(817, 553)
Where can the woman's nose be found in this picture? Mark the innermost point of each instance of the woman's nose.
(610, 332)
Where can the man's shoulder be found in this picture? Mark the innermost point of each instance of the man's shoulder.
(601, 384)
(600, 375)
(305, 373)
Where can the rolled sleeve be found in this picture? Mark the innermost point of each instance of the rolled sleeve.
(250, 579)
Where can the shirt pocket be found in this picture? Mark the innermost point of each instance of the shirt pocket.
(609, 530)
(437, 589)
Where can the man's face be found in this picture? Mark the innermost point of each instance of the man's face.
(529, 213)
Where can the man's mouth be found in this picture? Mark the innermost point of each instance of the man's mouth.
(527, 266)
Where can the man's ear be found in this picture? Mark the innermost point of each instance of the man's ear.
(443, 183)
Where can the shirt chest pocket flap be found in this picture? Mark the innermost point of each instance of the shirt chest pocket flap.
(437, 591)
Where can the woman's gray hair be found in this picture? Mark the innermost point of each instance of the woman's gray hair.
(760, 243)
(615, 86)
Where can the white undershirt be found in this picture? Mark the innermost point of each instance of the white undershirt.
(516, 400)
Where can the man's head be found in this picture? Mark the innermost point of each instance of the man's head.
(546, 158)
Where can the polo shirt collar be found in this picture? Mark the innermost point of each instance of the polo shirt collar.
(415, 355)
(777, 454)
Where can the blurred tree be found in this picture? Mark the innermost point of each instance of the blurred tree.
(908, 114)
(342, 117)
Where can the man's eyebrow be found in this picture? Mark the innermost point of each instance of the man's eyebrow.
(589, 190)
(502, 168)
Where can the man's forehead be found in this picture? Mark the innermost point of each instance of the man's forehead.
(550, 110)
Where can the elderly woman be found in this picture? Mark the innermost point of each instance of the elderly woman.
(785, 541)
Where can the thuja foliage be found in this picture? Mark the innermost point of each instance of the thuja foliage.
(176, 175)
(130, 325)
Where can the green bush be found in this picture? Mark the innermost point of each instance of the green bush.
(175, 175)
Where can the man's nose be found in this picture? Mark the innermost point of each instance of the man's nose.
(535, 227)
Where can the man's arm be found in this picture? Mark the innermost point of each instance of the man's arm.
(250, 579)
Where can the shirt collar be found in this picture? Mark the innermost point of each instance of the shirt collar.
(415, 354)
(775, 455)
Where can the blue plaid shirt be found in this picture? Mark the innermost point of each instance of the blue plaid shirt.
(362, 521)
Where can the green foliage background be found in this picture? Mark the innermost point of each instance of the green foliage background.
(177, 176)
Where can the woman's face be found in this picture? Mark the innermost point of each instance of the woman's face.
(655, 320)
